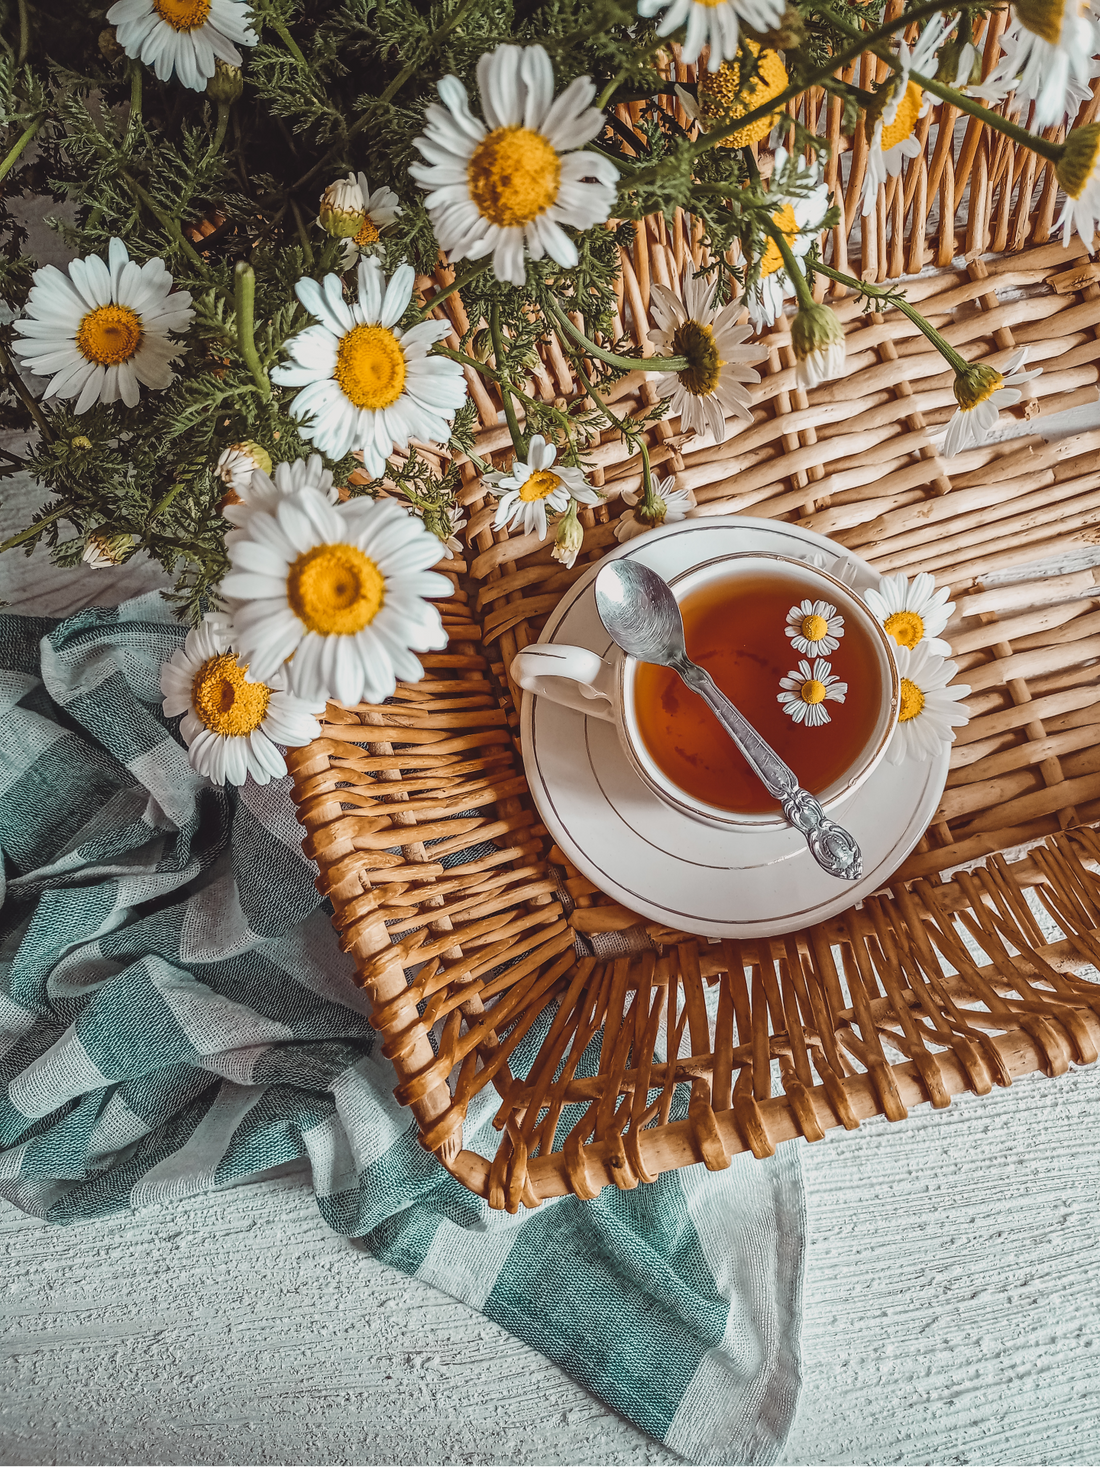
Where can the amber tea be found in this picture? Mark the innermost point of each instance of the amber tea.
(737, 629)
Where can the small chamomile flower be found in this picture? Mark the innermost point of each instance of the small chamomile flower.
(184, 37)
(380, 209)
(671, 505)
(815, 628)
(528, 491)
(981, 391)
(930, 709)
(806, 691)
(912, 612)
(238, 463)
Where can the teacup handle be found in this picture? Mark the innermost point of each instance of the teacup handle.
(572, 676)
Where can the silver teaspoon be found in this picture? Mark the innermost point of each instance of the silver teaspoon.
(640, 613)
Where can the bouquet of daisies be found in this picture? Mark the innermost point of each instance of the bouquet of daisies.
(245, 370)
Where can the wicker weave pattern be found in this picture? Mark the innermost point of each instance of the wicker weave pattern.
(930, 989)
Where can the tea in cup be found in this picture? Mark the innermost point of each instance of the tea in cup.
(795, 650)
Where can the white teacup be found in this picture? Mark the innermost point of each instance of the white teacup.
(604, 687)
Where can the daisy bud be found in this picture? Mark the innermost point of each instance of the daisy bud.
(1079, 156)
(343, 210)
(977, 384)
(102, 550)
(959, 64)
(818, 340)
(242, 459)
(226, 85)
(82, 444)
(569, 539)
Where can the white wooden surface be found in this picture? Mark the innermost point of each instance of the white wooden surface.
(952, 1294)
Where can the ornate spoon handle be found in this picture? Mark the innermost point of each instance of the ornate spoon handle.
(831, 846)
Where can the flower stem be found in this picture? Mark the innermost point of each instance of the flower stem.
(505, 391)
(613, 85)
(649, 496)
(458, 283)
(892, 298)
(219, 131)
(23, 393)
(467, 361)
(135, 95)
(24, 32)
(276, 24)
(13, 154)
(628, 364)
(29, 533)
(170, 225)
(801, 289)
(303, 235)
(245, 293)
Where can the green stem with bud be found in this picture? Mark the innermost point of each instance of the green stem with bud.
(802, 290)
(458, 283)
(244, 289)
(629, 364)
(505, 391)
(891, 298)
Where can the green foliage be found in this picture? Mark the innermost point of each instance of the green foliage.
(332, 86)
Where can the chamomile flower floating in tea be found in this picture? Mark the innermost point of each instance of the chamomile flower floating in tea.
(930, 709)
(183, 36)
(981, 391)
(815, 628)
(912, 612)
(711, 386)
(528, 491)
(511, 186)
(713, 23)
(101, 332)
(366, 384)
(231, 721)
(337, 593)
(800, 208)
(236, 465)
(669, 506)
(380, 209)
(808, 689)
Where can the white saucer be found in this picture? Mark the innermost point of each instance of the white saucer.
(664, 865)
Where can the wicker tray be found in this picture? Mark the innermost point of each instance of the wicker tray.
(644, 1049)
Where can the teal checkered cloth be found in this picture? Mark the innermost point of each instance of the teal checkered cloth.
(175, 1015)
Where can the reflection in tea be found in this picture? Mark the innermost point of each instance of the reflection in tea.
(736, 629)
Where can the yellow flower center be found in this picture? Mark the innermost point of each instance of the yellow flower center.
(813, 691)
(814, 628)
(109, 335)
(370, 367)
(977, 384)
(514, 175)
(696, 342)
(906, 118)
(225, 702)
(787, 224)
(912, 700)
(1042, 18)
(183, 15)
(538, 485)
(906, 627)
(722, 99)
(368, 233)
(335, 590)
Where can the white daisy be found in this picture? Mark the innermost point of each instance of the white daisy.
(715, 24)
(102, 330)
(802, 202)
(232, 722)
(814, 628)
(710, 386)
(367, 384)
(675, 504)
(912, 612)
(262, 491)
(1078, 171)
(808, 689)
(343, 209)
(981, 392)
(569, 539)
(183, 36)
(498, 189)
(533, 488)
(339, 591)
(1050, 48)
(380, 209)
(930, 710)
(237, 463)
